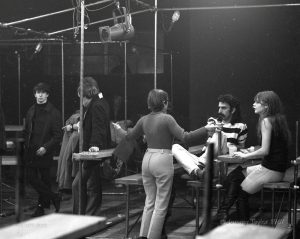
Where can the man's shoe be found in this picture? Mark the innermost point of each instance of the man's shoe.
(56, 202)
(39, 211)
(164, 236)
(164, 233)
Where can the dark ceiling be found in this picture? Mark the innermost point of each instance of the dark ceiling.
(14, 10)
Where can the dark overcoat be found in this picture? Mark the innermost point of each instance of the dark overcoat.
(49, 138)
(96, 125)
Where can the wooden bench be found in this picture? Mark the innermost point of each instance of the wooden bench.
(274, 186)
(5, 160)
(197, 186)
(54, 226)
(135, 179)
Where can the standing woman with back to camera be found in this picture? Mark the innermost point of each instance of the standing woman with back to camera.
(160, 129)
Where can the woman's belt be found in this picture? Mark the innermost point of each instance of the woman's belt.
(169, 151)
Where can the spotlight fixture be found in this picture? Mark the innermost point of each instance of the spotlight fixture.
(119, 31)
(175, 16)
(37, 50)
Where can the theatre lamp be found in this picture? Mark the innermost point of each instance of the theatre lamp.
(119, 31)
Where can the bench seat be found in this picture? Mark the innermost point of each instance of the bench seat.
(8, 160)
(56, 225)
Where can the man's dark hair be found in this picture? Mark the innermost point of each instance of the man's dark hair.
(233, 103)
(41, 87)
(90, 87)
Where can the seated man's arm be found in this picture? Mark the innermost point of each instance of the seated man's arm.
(242, 137)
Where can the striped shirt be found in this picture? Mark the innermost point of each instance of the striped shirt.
(236, 133)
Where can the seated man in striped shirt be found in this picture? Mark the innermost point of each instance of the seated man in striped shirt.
(233, 132)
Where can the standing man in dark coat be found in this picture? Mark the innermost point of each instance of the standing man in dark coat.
(42, 135)
(96, 136)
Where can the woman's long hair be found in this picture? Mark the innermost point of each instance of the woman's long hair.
(274, 112)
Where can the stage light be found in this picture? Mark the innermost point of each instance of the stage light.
(119, 31)
(37, 50)
(175, 16)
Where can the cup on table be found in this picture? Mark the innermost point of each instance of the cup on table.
(231, 149)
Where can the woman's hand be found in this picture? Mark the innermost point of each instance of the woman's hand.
(41, 151)
(116, 126)
(239, 155)
(76, 126)
(67, 127)
(211, 128)
(94, 149)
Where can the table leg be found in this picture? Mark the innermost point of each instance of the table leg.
(1, 206)
(20, 185)
(80, 187)
(197, 211)
(127, 211)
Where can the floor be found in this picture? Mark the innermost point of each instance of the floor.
(181, 224)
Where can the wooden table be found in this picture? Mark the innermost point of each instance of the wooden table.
(227, 159)
(56, 225)
(96, 156)
(8, 160)
(89, 156)
(14, 128)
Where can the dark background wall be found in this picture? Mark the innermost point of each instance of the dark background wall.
(243, 52)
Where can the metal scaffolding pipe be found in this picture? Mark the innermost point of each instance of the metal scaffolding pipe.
(171, 78)
(28, 30)
(81, 97)
(100, 21)
(155, 46)
(229, 7)
(17, 43)
(34, 40)
(19, 86)
(53, 13)
(62, 82)
(125, 82)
